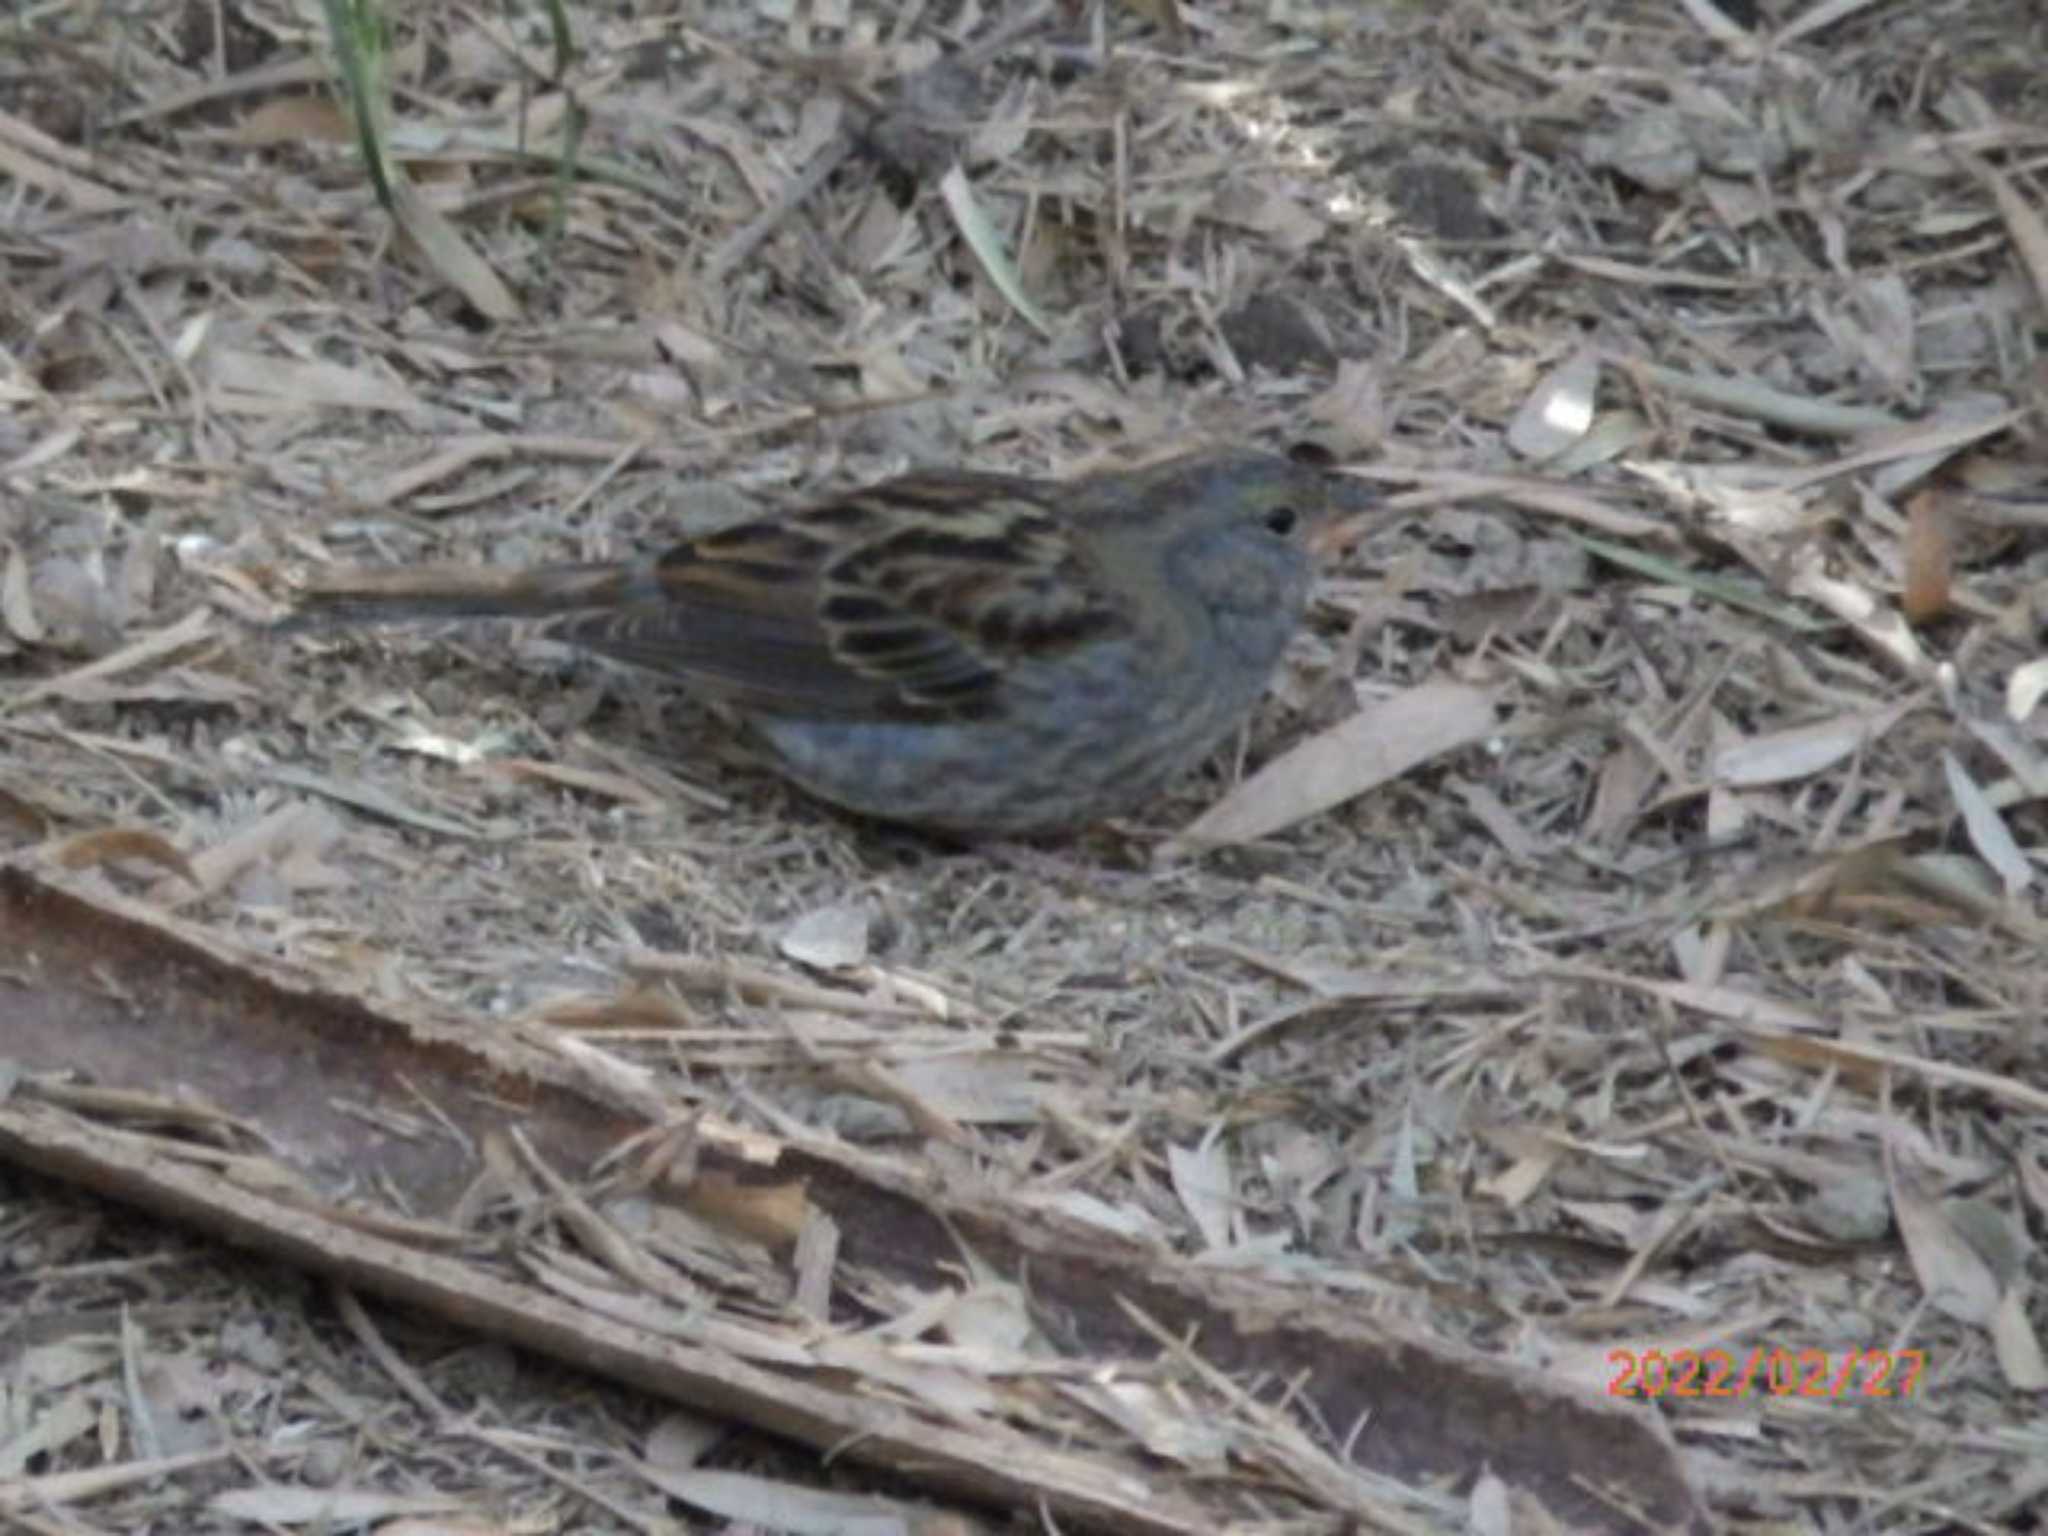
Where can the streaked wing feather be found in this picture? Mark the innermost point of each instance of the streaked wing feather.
(751, 660)
(907, 600)
(958, 584)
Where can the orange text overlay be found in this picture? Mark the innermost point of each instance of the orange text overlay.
(1763, 1370)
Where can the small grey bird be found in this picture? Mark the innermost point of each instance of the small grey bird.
(978, 654)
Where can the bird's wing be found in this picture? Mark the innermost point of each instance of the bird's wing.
(906, 600)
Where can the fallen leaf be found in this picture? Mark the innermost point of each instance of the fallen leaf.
(1929, 556)
(1802, 751)
(1989, 834)
(781, 1506)
(1202, 1178)
(1559, 410)
(1378, 743)
(294, 120)
(829, 938)
(2026, 688)
(91, 849)
(1954, 1275)
(2016, 1344)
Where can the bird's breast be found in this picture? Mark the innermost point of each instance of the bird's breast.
(1067, 741)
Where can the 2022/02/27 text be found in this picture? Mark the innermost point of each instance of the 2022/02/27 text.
(1723, 1373)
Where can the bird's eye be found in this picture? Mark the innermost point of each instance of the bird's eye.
(1281, 520)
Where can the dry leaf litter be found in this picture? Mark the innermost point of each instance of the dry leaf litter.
(1626, 928)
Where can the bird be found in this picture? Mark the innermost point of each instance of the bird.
(968, 653)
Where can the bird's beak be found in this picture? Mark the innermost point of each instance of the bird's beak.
(1353, 504)
(1332, 538)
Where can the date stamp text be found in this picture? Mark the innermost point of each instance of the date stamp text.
(1775, 1372)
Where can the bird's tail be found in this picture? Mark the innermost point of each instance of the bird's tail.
(337, 597)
